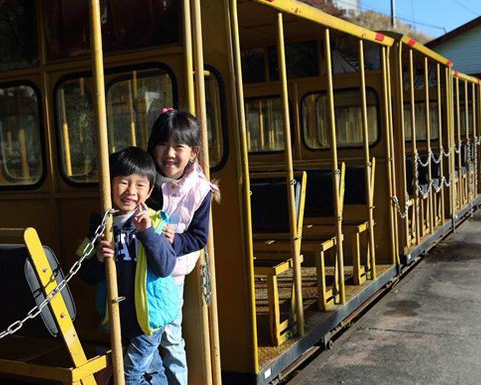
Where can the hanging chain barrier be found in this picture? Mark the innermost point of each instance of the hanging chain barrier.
(470, 175)
(205, 279)
(35, 311)
(402, 213)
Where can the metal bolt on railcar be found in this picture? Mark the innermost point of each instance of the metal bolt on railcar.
(341, 154)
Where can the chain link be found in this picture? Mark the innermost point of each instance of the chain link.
(395, 202)
(205, 279)
(35, 311)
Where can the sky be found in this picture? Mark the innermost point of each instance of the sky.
(432, 17)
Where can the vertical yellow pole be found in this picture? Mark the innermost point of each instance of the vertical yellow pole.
(440, 139)
(65, 135)
(390, 153)
(133, 138)
(466, 136)
(22, 141)
(245, 179)
(261, 124)
(450, 140)
(392, 213)
(104, 179)
(336, 176)
(458, 146)
(295, 245)
(419, 221)
(428, 141)
(188, 53)
(367, 160)
(473, 147)
(400, 155)
(213, 348)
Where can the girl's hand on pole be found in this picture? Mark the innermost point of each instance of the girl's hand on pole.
(168, 232)
(142, 219)
(105, 249)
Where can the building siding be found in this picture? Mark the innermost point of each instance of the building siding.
(351, 6)
(464, 50)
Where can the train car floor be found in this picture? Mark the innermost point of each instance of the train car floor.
(426, 330)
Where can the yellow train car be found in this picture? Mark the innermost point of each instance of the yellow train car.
(339, 153)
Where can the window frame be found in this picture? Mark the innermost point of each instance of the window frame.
(291, 121)
(41, 127)
(108, 72)
(223, 118)
(351, 147)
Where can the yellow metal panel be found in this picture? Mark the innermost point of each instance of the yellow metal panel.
(34, 371)
(93, 365)
(425, 50)
(307, 12)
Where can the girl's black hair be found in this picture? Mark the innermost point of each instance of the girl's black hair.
(132, 160)
(181, 126)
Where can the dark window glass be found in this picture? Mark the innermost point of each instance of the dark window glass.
(126, 24)
(18, 35)
(214, 106)
(20, 144)
(302, 60)
(253, 68)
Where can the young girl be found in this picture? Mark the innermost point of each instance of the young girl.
(184, 194)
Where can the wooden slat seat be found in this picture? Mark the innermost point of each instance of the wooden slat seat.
(273, 238)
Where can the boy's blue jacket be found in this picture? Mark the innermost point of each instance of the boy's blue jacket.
(143, 275)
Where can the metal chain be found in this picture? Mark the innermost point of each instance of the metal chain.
(458, 148)
(433, 157)
(418, 158)
(35, 311)
(205, 279)
(419, 190)
(470, 171)
(446, 154)
(395, 202)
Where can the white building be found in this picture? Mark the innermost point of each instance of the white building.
(462, 46)
(350, 6)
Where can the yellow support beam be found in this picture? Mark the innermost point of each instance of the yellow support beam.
(315, 15)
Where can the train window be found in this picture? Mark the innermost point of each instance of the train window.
(134, 101)
(20, 136)
(315, 118)
(76, 123)
(264, 124)
(18, 43)
(302, 60)
(126, 24)
(253, 67)
(420, 116)
(215, 116)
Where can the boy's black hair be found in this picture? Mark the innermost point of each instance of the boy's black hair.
(181, 126)
(132, 160)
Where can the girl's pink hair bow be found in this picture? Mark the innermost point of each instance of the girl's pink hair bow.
(166, 109)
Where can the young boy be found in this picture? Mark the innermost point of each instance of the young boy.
(144, 261)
